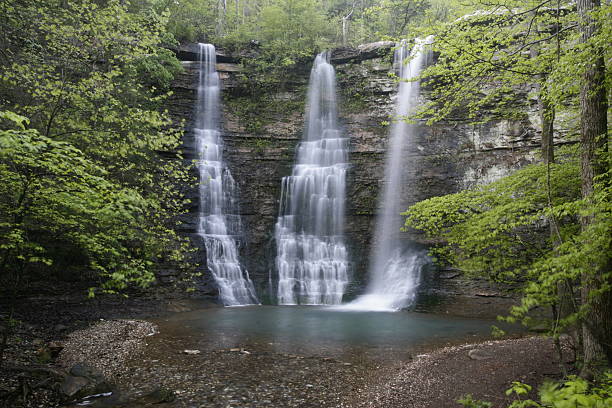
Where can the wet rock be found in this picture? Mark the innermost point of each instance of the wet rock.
(375, 49)
(83, 381)
(449, 275)
(190, 52)
(342, 55)
(158, 396)
(178, 307)
(228, 67)
(86, 371)
(480, 354)
(72, 385)
(486, 294)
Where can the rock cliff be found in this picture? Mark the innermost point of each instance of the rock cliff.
(261, 134)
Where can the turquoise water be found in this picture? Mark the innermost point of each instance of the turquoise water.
(320, 330)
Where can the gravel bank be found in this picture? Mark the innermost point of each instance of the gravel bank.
(107, 345)
(485, 370)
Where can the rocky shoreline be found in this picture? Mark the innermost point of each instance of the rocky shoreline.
(124, 358)
(484, 370)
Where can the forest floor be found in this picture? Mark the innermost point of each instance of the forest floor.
(116, 337)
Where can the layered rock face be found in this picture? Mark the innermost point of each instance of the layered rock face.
(261, 133)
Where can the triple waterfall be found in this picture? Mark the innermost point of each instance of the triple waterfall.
(312, 261)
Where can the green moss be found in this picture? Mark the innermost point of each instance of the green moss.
(261, 145)
(257, 110)
(354, 99)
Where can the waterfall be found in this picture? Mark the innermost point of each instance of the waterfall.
(311, 255)
(219, 223)
(395, 270)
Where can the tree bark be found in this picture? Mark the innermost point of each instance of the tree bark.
(547, 114)
(593, 128)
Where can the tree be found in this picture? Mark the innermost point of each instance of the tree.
(75, 73)
(53, 195)
(488, 61)
(597, 331)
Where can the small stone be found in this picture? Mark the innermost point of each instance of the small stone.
(37, 342)
(245, 352)
(191, 352)
(486, 294)
(479, 354)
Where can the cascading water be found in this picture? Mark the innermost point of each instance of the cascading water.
(219, 223)
(394, 270)
(311, 255)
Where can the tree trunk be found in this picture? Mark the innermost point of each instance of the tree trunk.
(547, 114)
(597, 322)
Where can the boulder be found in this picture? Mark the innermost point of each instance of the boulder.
(479, 354)
(86, 371)
(375, 49)
(342, 55)
(72, 385)
(191, 52)
(82, 381)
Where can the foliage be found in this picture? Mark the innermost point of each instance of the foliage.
(286, 33)
(268, 21)
(281, 35)
(491, 64)
(91, 78)
(469, 402)
(189, 20)
(500, 230)
(487, 229)
(492, 59)
(574, 392)
(52, 192)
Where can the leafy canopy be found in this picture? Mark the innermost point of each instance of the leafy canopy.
(97, 152)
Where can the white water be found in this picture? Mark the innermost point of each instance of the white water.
(219, 223)
(395, 272)
(311, 255)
